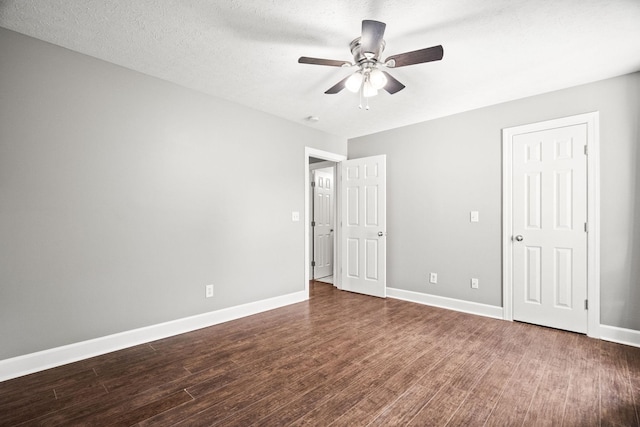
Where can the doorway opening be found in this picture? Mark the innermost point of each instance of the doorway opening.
(315, 159)
(323, 219)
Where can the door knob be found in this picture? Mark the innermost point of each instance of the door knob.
(380, 234)
(519, 238)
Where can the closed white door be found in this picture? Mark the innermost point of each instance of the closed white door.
(323, 223)
(549, 233)
(364, 226)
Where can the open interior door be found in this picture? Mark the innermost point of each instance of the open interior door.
(364, 226)
(323, 223)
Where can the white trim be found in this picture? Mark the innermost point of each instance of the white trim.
(593, 212)
(507, 226)
(593, 216)
(620, 335)
(321, 165)
(448, 303)
(333, 157)
(34, 362)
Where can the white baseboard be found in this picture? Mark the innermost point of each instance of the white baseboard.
(620, 335)
(41, 360)
(449, 303)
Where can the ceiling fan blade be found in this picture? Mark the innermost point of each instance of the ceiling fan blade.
(337, 87)
(392, 85)
(372, 35)
(434, 53)
(320, 61)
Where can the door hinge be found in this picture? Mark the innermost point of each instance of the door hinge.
(586, 150)
(586, 304)
(313, 183)
(313, 263)
(313, 223)
(586, 227)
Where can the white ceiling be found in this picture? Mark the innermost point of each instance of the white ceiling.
(246, 51)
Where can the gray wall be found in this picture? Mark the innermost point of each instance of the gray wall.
(122, 196)
(441, 169)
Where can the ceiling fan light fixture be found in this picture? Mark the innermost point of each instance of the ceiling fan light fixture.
(354, 82)
(377, 78)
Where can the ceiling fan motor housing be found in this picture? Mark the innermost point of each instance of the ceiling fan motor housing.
(359, 56)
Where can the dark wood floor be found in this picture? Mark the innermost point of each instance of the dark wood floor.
(343, 359)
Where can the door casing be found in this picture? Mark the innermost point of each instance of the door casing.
(591, 120)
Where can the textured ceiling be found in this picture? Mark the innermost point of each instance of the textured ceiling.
(246, 51)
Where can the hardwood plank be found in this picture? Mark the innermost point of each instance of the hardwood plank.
(213, 403)
(371, 406)
(19, 411)
(103, 408)
(445, 403)
(483, 397)
(28, 403)
(28, 387)
(43, 380)
(119, 416)
(633, 364)
(584, 387)
(513, 405)
(261, 409)
(128, 360)
(343, 399)
(548, 404)
(140, 381)
(616, 399)
(305, 403)
(420, 394)
(124, 398)
(379, 356)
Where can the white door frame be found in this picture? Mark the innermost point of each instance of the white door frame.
(593, 212)
(333, 157)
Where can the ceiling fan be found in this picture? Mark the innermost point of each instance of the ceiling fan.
(366, 51)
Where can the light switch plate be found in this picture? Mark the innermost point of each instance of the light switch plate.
(475, 216)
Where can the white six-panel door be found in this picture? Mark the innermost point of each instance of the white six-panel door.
(323, 223)
(364, 226)
(549, 235)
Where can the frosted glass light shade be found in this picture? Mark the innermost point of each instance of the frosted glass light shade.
(368, 90)
(353, 82)
(377, 78)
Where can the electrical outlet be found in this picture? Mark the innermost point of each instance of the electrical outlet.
(474, 283)
(433, 277)
(209, 291)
